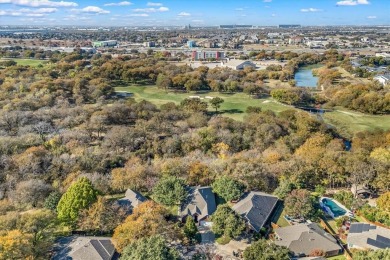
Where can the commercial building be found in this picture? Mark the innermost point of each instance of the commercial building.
(238, 64)
(289, 26)
(207, 55)
(191, 44)
(149, 44)
(100, 44)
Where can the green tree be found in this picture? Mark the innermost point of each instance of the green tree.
(228, 188)
(194, 105)
(190, 229)
(80, 195)
(216, 103)
(226, 222)
(170, 191)
(372, 255)
(262, 250)
(52, 200)
(151, 248)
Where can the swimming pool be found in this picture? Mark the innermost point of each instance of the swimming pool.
(333, 208)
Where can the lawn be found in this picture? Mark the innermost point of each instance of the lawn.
(234, 105)
(348, 122)
(29, 62)
(339, 257)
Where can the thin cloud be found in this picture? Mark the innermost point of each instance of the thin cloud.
(94, 9)
(239, 9)
(154, 4)
(353, 2)
(313, 10)
(37, 3)
(267, 1)
(139, 15)
(184, 14)
(124, 3)
(151, 10)
(371, 17)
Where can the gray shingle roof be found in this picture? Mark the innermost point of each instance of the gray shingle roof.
(200, 201)
(132, 199)
(256, 208)
(368, 236)
(304, 238)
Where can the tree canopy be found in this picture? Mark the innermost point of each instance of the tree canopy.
(228, 188)
(226, 223)
(265, 250)
(170, 191)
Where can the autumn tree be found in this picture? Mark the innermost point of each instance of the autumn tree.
(15, 245)
(383, 202)
(147, 219)
(216, 103)
(80, 195)
(299, 203)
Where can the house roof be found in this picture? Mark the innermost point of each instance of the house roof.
(360, 189)
(200, 201)
(304, 238)
(235, 63)
(256, 208)
(85, 248)
(368, 236)
(132, 199)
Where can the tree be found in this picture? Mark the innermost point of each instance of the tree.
(148, 219)
(150, 248)
(194, 105)
(226, 222)
(31, 192)
(15, 245)
(372, 255)
(170, 191)
(80, 195)
(52, 200)
(190, 229)
(228, 188)
(263, 250)
(216, 103)
(101, 217)
(299, 203)
(383, 202)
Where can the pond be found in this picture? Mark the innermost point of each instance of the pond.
(304, 76)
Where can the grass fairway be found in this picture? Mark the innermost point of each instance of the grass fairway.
(28, 62)
(347, 122)
(234, 105)
(350, 122)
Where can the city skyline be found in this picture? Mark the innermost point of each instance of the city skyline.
(196, 13)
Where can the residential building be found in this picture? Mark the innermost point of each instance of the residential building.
(303, 239)
(256, 208)
(84, 248)
(367, 236)
(131, 200)
(238, 64)
(200, 204)
(207, 55)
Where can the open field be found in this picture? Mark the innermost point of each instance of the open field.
(28, 62)
(348, 122)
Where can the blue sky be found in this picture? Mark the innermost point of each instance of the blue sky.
(194, 12)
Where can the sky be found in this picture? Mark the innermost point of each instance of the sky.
(194, 12)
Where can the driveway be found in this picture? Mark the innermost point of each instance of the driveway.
(206, 234)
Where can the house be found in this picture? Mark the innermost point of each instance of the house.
(367, 236)
(256, 208)
(361, 191)
(84, 248)
(383, 79)
(200, 204)
(131, 200)
(303, 239)
(238, 64)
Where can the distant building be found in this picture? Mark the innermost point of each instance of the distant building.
(383, 54)
(367, 236)
(235, 26)
(207, 55)
(131, 200)
(238, 64)
(256, 208)
(289, 26)
(149, 44)
(200, 204)
(191, 44)
(100, 44)
(383, 79)
(303, 239)
(295, 40)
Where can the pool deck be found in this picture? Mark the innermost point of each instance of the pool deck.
(347, 213)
